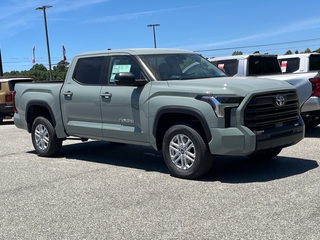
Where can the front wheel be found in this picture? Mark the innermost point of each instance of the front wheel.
(44, 138)
(185, 152)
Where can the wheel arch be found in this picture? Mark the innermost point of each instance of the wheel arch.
(168, 116)
(35, 109)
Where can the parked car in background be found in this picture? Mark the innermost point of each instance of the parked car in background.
(298, 63)
(267, 66)
(6, 95)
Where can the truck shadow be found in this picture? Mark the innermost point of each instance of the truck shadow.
(245, 170)
(225, 169)
(117, 154)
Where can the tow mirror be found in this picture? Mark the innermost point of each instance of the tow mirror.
(124, 78)
(128, 79)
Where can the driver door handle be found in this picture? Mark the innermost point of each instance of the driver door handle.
(106, 95)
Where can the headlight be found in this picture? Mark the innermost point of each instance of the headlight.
(220, 103)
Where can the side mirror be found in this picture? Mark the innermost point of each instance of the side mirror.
(124, 78)
(128, 79)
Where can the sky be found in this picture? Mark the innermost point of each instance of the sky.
(210, 27)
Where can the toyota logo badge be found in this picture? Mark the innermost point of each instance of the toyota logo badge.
(280, 100)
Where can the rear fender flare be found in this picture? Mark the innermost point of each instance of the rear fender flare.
(31, 114)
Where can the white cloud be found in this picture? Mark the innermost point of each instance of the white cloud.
(298, 26)
(65, 6)
(17, 15)
(136, 15)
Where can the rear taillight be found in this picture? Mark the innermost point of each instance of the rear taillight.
(9, 97)
(14, 102)
(315, 86)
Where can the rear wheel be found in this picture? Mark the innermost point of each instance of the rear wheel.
(265, 155)
(185, 152)
(44, 138)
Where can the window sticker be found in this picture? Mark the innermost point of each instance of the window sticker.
(119, 68)
(284, 66)
(221, 65)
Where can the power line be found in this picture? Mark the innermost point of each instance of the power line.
(260, 45)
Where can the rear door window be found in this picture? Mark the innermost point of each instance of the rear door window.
(88, 70)
(314, 62)
(289, 65)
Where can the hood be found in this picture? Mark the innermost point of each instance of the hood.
(240, 86)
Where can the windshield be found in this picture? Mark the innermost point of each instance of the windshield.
(180, 66)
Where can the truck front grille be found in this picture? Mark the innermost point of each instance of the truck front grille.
(264, 113)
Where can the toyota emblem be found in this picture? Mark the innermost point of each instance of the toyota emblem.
(280, 100)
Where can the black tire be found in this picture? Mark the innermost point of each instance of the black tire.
(312, 124)
(265, 155)
(186, 161)
(44, 138)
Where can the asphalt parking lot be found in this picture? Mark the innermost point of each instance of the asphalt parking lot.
(98, 190)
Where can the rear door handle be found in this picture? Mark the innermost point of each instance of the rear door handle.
(68, 93)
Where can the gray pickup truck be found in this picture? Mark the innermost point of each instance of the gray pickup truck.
(173, 100)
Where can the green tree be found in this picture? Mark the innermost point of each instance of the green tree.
(39, 72)
(288, 52)
(296, 52)
(24, 73)
(307, 50)
(59, 72)
(12, 73)
(237, 53)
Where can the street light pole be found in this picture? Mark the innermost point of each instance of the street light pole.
(154, 33)
(47, 38)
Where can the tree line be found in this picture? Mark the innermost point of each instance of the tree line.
(39, 72)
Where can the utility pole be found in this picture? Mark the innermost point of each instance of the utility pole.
(154, 33)
(47, 38)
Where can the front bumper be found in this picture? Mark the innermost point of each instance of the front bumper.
(241, 141)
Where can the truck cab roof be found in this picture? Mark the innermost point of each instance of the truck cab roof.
(301, 55)
(245, 56)
(136, 51)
